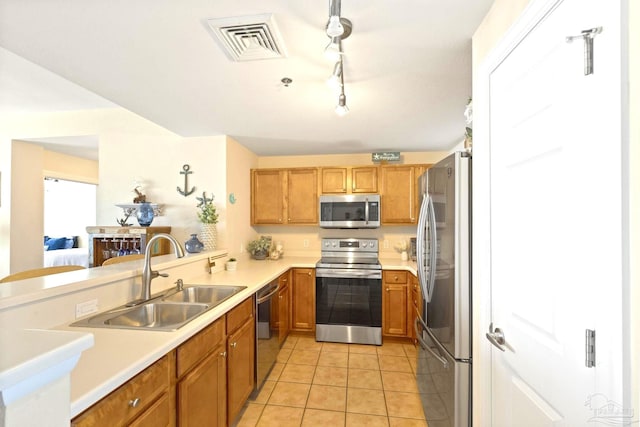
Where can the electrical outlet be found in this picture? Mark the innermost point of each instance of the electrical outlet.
(87, 307)
(305, 243)
(385, 244)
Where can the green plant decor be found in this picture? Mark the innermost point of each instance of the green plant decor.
(207, 213)
(259, 246)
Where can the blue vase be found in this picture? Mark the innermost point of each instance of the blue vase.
(145, 214)
(193, 245)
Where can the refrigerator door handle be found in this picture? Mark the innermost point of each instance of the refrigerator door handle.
(420, 246)
(418, 323)
(426, 219)
(433, 253)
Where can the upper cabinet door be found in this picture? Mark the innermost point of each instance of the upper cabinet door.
(267, 196)
(302, 196)
(334, 181)
(398, 194)
(364, 179)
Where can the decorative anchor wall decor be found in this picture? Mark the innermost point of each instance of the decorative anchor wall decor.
(186, 172)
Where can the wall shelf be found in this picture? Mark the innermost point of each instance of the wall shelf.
(130, 209)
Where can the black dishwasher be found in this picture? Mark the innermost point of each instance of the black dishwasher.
(267, 343)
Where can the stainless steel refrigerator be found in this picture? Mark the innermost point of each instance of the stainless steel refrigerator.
(443, 252)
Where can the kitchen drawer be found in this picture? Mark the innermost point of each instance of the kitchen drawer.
(395, 276)
(130, 400)
(239, 315)
(198, 346)
(159, 414)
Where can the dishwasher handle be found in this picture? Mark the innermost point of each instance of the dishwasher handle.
(269, 295)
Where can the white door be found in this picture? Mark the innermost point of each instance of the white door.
(555, 239)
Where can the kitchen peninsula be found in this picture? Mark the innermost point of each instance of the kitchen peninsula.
(118, 354)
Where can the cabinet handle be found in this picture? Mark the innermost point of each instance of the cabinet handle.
(280, 296)
(233, 344)
(223, 354)
(134, 402)
(387, 289)
(309, 273)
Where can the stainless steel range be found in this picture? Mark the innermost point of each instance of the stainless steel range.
(349, 292)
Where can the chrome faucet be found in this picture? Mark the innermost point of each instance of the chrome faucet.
(147, 273)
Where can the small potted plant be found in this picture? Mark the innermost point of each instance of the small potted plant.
(231, 264)
(259, 248)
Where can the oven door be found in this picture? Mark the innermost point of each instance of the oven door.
(349, 305)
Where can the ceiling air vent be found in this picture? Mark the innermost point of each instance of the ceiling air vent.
(249, 38)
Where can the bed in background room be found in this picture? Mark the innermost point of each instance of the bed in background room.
(64, 251)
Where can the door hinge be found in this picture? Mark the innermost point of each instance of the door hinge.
(587, 36)
(590, 348)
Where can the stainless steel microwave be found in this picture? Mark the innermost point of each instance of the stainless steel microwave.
(350, 211)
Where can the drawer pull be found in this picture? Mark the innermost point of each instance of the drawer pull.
(223, 354)
(387, 289)
(233, 344)
(134, 402)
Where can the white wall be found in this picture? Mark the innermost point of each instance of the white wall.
(158, 158)
(238, 214)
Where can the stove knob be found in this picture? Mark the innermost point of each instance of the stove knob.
(334, 244)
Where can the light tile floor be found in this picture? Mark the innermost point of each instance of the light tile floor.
(316, 384)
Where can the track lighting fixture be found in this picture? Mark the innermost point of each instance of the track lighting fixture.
(334, 26)
(338, 29)
(333, 51)
(334, 81)
(341, 108)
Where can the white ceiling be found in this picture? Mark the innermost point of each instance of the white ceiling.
(407, 70)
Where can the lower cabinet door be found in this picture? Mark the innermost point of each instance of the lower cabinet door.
(202, 393)
(240, 368)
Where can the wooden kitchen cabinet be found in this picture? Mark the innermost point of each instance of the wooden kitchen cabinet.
(394, 303)
(303, 299)
(202, 378)
(415, 304)
(241, 342)
(267, 196)
(284, 307)
(284, 196)
(398, 193)
(145, 400)
(302, 196)
(349, 180)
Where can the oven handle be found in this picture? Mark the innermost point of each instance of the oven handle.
(348, 273)
(269, 295)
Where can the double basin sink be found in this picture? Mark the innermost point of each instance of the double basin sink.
(166, 312)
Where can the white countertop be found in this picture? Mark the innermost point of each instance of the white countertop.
(120, 354)
(41, 357)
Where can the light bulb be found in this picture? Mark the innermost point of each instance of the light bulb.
(334, 28)
(333, 51)
(334, 82)
(341, 108)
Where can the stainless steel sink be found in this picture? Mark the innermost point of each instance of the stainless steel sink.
(162, 316)
(164, 312)
(158, 315)
(211, 295)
